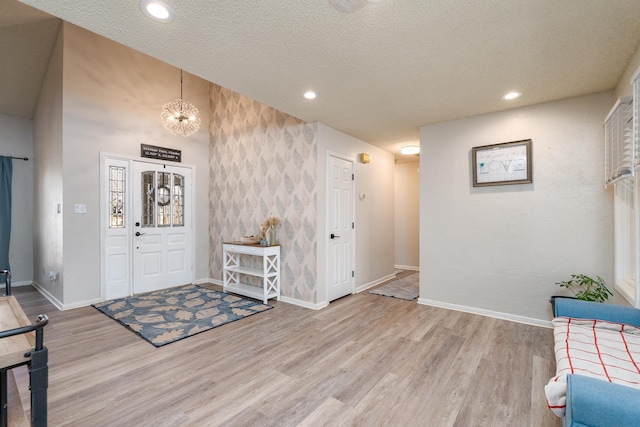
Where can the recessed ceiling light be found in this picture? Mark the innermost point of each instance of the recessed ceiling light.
(410, 149)
(310, 95)
(512, 95)
(157, 10)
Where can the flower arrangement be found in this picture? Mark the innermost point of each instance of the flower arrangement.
(272, 221)
(268, 230)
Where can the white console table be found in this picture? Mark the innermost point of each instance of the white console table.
(234, 270)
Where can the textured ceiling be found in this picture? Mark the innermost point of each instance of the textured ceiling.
(387, 68)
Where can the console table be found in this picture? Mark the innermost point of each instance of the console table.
(234, 270)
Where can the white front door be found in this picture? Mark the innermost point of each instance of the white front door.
(162, 229)
(340, 272)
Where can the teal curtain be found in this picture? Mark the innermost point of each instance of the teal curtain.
(6, 170)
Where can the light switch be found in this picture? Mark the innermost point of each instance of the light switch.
(80, 208)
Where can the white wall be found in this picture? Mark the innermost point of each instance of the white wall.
(407, 215)
(624, 86)
(47, 163)
(16, 139)
(111, 103)
(501, 249)
(374, 215)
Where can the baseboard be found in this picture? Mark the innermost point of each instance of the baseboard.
(487, 313)
(305, 304)
(53, 300)
(59, 305)
(208, 280)
(407, 267)
(288, 300)
(376, 282)
(19, 284)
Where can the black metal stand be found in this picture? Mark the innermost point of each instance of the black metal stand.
(4, 409)
(38, 383)
(38, 374)
(7, 282)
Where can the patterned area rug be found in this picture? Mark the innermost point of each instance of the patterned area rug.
(406, 287)
(163, 317)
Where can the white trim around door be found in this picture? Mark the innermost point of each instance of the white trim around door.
(340, 238)
(117, 230)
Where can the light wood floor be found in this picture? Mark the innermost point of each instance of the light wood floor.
(365, 360)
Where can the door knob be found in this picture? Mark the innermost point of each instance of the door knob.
(139, 233)
(333, 236)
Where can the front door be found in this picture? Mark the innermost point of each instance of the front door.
(162, 230)
(340, 273)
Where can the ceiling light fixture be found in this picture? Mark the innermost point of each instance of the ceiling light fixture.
(157, 10)
(512, 95)
(310, 95)
(180, 117)
(410, 149)
(349, 6)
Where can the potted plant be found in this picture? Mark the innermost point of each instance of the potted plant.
(584, 288)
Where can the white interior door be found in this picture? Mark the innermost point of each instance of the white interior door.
(340, 271)
(162, 229)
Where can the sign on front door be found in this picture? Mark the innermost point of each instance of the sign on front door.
(160, 153)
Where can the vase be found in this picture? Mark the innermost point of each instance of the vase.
(271, 233)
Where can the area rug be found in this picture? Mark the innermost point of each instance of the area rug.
(405, 287)
(163, 317)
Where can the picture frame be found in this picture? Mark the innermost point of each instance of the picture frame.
(507, 163)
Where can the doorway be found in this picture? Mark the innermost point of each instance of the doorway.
(147, 232)
(340, 227)
(162, 227)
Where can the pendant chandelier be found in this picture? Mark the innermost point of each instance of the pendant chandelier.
(180, 117)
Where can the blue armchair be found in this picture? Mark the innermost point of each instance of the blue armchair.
(592, 402)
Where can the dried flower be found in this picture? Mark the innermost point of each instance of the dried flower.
(271, 221)
(263, 231)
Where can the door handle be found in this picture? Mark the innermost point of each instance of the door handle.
(139, 233)
(333, 236)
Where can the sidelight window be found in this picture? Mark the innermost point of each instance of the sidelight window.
(117, 176)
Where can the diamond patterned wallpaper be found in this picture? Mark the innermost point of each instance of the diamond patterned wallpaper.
(263, 161)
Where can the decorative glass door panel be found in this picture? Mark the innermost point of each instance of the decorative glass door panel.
(162, 199)
(162, 227)
(117, 193)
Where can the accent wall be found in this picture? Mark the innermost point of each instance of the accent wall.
(263, 162)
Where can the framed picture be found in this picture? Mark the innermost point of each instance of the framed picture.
(502, 164)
